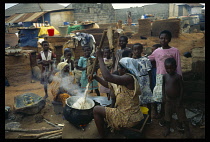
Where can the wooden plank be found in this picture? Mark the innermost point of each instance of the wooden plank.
(57, 39)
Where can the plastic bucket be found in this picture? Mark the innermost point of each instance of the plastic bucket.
(63, 30)
(65, 23)
(144, 110)
(50, 32)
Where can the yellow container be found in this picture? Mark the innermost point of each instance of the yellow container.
(144, 110)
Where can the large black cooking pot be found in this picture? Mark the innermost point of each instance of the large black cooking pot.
(78, 116)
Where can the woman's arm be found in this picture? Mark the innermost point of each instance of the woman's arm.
(101, 81)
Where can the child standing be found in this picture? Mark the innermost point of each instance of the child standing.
(108, 62)
(46, 58)
(159, 55)
(84, 64)
(172, 97)
(123, 40)
(144, 69)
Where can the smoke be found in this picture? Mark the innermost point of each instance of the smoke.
(67, 84)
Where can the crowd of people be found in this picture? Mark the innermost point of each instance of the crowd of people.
(130, 78)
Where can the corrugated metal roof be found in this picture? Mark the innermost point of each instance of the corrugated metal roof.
(26, 17)
(194, 4)
(32, 7)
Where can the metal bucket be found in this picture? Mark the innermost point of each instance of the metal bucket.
(63, 30)
(78, 117)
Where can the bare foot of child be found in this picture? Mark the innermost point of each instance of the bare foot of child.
(166, 132)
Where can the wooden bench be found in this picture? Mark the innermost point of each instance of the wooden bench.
(136, 131)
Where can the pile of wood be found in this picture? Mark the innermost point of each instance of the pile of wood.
(172, 25)
(144, 27)
(43, 133)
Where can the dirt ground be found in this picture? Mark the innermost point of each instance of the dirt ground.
(21, 85)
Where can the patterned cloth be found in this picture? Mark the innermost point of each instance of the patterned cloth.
(146, 93)
(126, 112)
(139, 68)
(157, 92)
(84, 78)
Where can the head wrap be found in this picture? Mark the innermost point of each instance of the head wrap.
(133, 66)
(130, 64)
(61, 65)
(67, 49)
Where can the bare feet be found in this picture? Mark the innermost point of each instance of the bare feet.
(167, 132)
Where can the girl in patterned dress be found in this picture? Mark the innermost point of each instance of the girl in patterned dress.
(144, 69)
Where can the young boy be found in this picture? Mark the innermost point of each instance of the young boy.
(123, 40)
(45, 58)
(172, 97)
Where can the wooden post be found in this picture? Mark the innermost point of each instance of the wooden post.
(96, 59)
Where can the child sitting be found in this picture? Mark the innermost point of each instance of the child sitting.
(172, 97)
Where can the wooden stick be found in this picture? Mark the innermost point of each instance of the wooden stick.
(144, 123)
(56, 137)
(30, 130)
(96, 59)
(51, 123)
(35, 136)
(50, 136)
